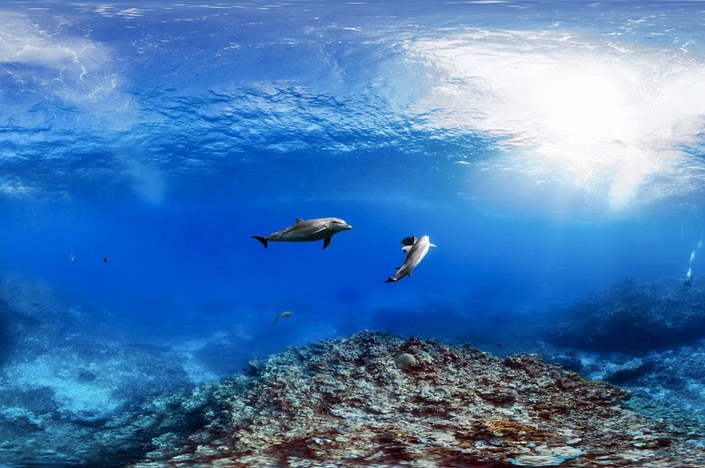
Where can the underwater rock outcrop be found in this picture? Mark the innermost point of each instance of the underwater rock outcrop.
(632, 318)
(80, 405)
(30, 314)
(70, 399)
(348, 402)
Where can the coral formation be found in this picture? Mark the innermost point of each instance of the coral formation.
(405, 361)
(346, 402)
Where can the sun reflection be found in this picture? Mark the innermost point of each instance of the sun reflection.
(591, 111)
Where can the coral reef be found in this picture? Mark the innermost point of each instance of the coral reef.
(80, 405)
(67, 399)
(665, 384)
(631, 318)
(72, 398)
(347, 402)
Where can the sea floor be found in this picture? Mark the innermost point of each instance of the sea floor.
(68, 398)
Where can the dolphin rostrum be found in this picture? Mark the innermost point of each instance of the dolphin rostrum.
(416, 250)
(305, 231)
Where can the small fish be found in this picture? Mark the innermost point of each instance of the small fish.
(72, 257)
(106, 259)
(285, 314)
(306, 231)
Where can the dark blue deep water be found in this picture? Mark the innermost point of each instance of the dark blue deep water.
(550, 149)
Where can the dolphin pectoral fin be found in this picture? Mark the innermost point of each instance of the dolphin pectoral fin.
(262, 240)
(320, 229)
(431, 245)
(326, 241)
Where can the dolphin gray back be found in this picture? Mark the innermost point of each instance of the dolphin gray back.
(306, 231)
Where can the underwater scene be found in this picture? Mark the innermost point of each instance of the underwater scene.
(329, 233)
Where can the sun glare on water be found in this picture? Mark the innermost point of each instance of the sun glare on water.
(598, 114)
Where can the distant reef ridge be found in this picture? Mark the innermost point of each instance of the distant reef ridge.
(633, 318)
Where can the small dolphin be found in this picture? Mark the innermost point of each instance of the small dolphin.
(285, 314)
(416, 250)
(305, 231)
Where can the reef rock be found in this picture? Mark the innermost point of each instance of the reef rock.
(347, 402)
(632, 318)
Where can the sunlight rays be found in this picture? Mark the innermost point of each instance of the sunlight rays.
(589, 110)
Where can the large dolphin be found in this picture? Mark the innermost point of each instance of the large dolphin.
(416, 250)
(305, 231)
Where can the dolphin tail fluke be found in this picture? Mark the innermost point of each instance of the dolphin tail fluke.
(263, 240)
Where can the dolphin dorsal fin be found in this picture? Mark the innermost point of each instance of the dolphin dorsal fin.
(409, 240)
(299, 220)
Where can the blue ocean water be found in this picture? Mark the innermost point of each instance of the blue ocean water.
(553, 151)
(550, 149)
